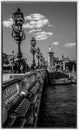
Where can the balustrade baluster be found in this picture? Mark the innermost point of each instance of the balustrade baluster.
(30, 83)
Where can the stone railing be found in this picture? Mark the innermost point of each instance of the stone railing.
(22, 86)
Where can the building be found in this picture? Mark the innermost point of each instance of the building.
(5, 63)
(51, 59)
(63, 64)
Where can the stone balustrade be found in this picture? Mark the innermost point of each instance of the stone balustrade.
(22, 85)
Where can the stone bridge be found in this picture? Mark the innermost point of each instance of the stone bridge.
(21, 97)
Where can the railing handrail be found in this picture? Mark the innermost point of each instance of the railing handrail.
(18, 78)
(21, 86)
(9, 83)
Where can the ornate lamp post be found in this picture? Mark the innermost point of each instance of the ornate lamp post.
(38, 55)
(17, 32)
(33, 50)
(13, 59)
(43, 61)
(40, 59)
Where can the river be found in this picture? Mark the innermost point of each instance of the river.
(58, 107)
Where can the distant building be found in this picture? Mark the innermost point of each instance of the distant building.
(64, 64)
(51, 62)
(5, 63)
(5, 58)
(12, 57)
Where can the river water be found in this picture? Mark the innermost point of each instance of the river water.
(58, 107)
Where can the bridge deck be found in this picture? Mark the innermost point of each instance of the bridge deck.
(57, 108)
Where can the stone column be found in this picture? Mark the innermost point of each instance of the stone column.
(64, 66)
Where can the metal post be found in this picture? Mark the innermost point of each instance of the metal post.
(18, 34)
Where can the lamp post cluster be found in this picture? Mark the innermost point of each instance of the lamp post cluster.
(33, 50)
(42, 60)
(38, 55)
(18, 34)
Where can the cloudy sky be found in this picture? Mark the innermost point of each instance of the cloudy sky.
(51, 23)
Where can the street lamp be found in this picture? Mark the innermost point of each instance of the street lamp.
(33, 50)
(38, 55)
(40, 58)
(43, 61)
(17, 32)
(13, 59)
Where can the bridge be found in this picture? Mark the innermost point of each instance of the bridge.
(21, 97)
(30, 101)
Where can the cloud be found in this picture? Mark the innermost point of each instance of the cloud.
(34, 30)
(43, 35)
(8, 23)
(36, 24)
(34, 17)
(69, 45)
(55, 43)
(32, 21)
(50, 25)
(36, 21)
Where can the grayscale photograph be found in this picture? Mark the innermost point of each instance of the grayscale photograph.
(39, 64)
